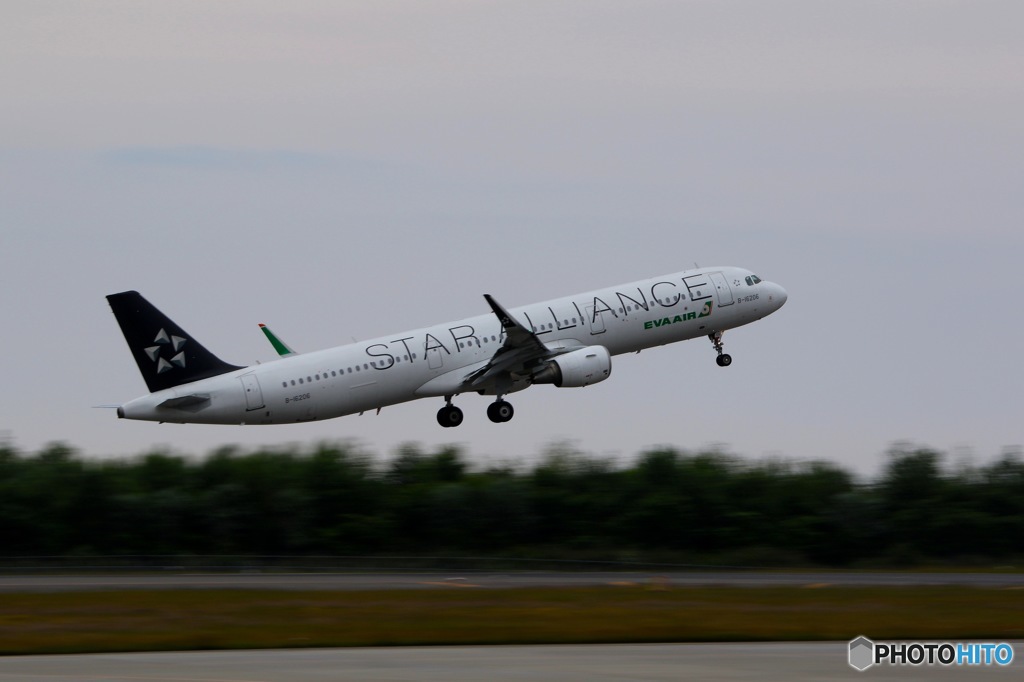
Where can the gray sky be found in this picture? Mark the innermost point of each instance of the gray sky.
(354, 169)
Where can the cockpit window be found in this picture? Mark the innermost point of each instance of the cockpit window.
(750, 282)
(756, 279)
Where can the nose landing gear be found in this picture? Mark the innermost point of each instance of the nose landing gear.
(723, 359)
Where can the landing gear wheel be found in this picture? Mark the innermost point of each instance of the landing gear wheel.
(449, 416)
(500, 411)
(723, 359)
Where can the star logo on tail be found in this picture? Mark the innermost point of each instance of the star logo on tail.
(174, 344)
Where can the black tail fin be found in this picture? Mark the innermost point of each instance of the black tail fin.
(165, 354)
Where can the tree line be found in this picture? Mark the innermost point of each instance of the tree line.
(670, 505)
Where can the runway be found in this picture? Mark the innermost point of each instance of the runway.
(646, 662)
(496, 580)
(587, 663)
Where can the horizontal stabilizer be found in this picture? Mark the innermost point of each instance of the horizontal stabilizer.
(181, 402)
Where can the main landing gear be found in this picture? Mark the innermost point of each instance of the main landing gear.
(498, 412)
(723, 359)
(449, 416)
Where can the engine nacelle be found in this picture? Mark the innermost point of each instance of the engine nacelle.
(579, 368)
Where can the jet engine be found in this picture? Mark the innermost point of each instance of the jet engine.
(579, 368)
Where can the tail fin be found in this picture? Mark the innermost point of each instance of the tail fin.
(165, 354)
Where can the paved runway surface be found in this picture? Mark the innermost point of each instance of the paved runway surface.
(588, 663)
(650, 662)
(388, 581)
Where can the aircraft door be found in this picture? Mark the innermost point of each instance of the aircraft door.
(253, 393)
(434, 359)
(722, 287)
(596, 322)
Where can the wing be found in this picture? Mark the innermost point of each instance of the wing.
(520, 355)
(513, 366)
(517, 336)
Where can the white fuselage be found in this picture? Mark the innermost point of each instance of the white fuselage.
(432, 361)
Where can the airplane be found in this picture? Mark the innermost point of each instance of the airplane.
(567, 342)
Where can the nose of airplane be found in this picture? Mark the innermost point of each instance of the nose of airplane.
(778, 296)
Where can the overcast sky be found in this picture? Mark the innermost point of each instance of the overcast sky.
(345, 170)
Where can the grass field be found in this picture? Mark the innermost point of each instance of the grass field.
(230, 619)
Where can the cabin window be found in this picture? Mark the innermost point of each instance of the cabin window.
(300, 380)
(284, 384)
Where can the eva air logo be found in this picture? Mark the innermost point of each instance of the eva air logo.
(172, 345)
(683, 317)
